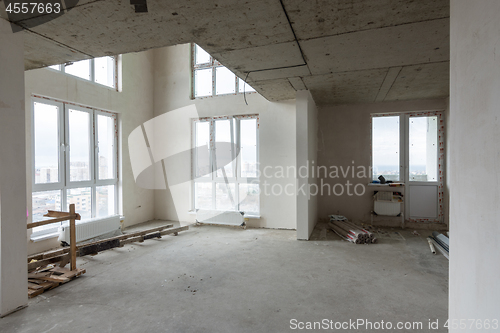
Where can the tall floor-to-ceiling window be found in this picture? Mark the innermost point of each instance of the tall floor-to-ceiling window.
(75, 158)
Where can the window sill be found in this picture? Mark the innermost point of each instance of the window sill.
(39, 238)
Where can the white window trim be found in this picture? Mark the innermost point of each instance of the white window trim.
(213, 176)
(116, 61)
(65, 183)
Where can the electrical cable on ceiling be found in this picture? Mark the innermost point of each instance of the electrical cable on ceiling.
(244, 90)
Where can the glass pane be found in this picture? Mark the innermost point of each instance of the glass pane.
(105, 200)
(385, 147)
(203, 149)
(248, 132)
(201, 56)
(79, 68)
(423, 149)
(82, 198)
(224, 154)
(249, 198)
(243, 85)
(225, 81)
(203, 196)
(203, 82)
(104, 71)
(46, 127)
(224, 197)
(79, 141)
(106, 146)
(42, 202)
(56, 67)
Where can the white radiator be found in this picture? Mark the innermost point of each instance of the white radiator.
(90, 229)
(219, 217)
(387, 208)
(386, 203)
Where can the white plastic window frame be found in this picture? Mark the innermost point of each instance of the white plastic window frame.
(64, 184)
(92, 72)
(212, 64)
(213, 178)
(404, 141)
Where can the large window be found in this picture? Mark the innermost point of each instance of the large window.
(225, 164)
(74, 160)
(392, 134)
(99, 70)
(210, 78)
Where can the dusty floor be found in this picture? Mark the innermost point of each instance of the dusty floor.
(223, 279)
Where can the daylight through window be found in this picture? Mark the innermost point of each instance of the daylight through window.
(74, 161)
(225, 164)
(210, 78)
(99, 70)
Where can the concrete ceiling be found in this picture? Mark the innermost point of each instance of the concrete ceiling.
(344, 51)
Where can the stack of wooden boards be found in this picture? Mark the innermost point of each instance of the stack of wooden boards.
(50, 277)
(350, 231)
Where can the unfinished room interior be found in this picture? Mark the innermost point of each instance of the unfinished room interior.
(249, 166)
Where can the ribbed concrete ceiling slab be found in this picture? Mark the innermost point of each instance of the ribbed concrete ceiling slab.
(420, 82)
(347, 87)
(407, 44)
(336, 48)
(322, 18)
(259, 58)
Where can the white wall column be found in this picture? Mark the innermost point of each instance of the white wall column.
(13, 272)
(474, 162)
(307, 155)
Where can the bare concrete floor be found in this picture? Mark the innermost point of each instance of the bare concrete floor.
(223, 279)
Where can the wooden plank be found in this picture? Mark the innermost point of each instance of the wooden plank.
(75, 273)
(37, 275)
(96, 248)
(32, 293)
(58, 219)
(125, 236)
(54, 278)
(153, 235)
(53, 213)
(72, 237)
(48, 254)
(45, 262)
(34, 286)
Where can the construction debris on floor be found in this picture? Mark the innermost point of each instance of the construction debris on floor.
(350, 231)
(440, 242)
(49, 278)
(43, 274)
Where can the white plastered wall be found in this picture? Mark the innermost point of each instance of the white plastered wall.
(474, 176)
(307, 155)
(134, 105)
(276, 137)
(13, 274)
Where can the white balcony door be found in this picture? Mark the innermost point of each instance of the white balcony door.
(421, 167)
